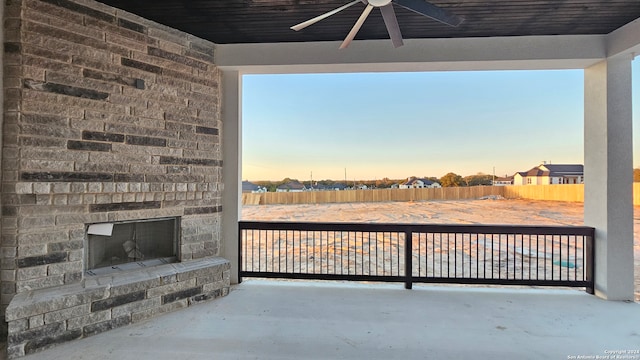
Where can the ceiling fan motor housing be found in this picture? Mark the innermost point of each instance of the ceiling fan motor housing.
(379, 3)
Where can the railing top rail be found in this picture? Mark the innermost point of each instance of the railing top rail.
(418, 228)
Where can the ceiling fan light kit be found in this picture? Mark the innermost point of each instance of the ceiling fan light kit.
(388, 14)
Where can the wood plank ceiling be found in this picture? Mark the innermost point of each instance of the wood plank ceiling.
(268, 21)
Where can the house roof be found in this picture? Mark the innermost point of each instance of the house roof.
(333, 186)
(268, 21)
(536, 171)
(412, 180)
(249, 186)
(554, 170)
(291, 185)
(507, 178)
(564, 169)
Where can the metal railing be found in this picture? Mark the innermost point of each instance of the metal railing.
(463, 254)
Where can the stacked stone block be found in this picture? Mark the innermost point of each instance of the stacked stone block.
(107, 117)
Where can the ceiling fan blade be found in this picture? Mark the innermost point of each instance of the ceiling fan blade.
(357, 26)
(427, 9)
(303, 25)
(390, 20)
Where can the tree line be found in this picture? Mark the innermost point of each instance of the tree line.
(449, 180)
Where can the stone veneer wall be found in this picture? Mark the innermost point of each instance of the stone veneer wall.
(107, 117)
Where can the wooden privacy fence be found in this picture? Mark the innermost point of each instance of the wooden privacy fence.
(567, 192)
(377, 195)
(572, 193)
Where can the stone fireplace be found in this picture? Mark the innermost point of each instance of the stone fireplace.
(111, 172)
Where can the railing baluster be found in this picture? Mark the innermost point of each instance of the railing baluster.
(477, 255)
(585, 261)
(560, 258)
(529, 256)
(383, 257)
(493, 257)
(253, 256)
(433, 255)
(419, 254)
(575, 256)
(522, 256)
(515, 257)
(375, 248)
(568, 259)
(553, 260)
(398, 254)
(348, 253)
(334, 251)
(355, 254)
(327, 246)
(299, 252)
(441, 250)
(545, 257)
(455, 255)
(448, 255)
(484, 256)
(507, 260)
(369, 251)
(499, 257)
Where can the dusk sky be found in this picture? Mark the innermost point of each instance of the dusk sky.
(397, 125)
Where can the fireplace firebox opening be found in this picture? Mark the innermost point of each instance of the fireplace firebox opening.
(127, 245)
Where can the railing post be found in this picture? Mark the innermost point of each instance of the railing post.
(591, 263)
(408, 259)
(239, 253)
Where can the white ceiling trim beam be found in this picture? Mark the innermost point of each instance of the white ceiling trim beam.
(497, 53)
(625, 40)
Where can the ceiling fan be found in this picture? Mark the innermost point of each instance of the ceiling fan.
(388, 14)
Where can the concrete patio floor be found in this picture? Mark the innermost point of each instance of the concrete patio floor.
(263, 319)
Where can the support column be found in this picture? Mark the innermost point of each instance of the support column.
(608, 156)
(232, 166)
(3, 324)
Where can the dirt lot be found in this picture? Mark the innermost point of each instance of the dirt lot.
(520, 212)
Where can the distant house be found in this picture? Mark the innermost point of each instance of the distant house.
(291, 186)
(416, 183)
(549, 174)
(334, 187)
(503, 181)
(330, 187)
(338, 186)
(249, 187)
